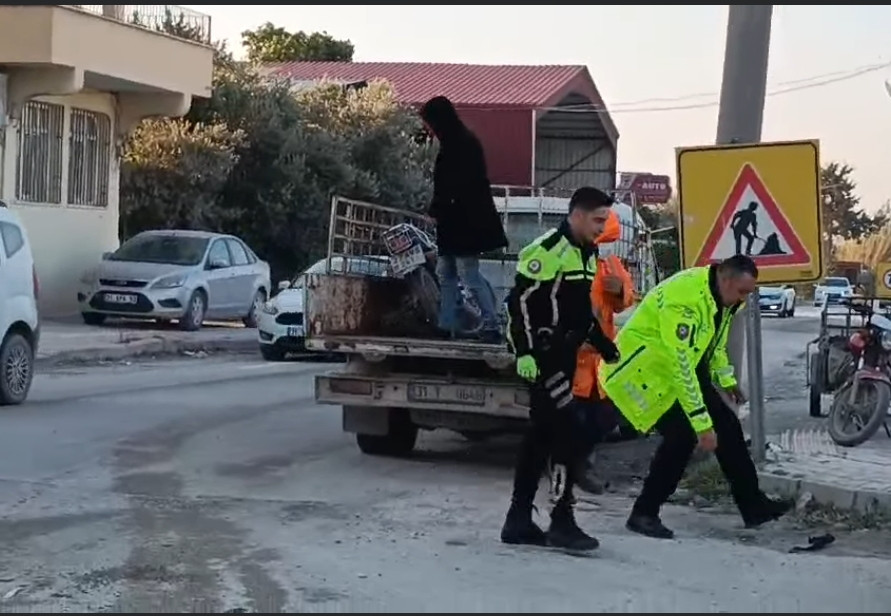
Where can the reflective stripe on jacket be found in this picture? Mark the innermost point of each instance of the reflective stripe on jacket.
(677, 325)
(551, 289)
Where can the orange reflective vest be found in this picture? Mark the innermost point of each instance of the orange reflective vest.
(605, 305)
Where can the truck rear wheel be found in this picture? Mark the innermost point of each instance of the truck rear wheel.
(399, 440)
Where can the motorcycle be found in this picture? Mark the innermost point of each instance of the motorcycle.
(863, 401)
(413, 258)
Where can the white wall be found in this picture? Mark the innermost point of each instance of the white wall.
(66, 239)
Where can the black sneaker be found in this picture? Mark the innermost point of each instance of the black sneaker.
(564, 533)
(649, 526)
(519, 529)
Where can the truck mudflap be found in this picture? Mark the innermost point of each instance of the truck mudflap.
(499, 399)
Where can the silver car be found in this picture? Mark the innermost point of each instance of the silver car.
(188, 276)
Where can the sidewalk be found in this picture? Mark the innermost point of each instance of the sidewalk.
(808, 461)
(70, 341)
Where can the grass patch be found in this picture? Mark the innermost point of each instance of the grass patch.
(822, 516)
(704, 481)
(704, 485)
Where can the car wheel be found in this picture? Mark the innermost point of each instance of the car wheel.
(271, 352)
(193, 319)
(92, 318)
(16, 369)
(256, 306)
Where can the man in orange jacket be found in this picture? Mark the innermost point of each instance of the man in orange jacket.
(612, 292)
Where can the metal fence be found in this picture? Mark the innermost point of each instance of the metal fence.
(89, 158)
(170, 19)
(355, 234)
(39, 168)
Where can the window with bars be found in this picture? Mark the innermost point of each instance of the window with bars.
(39, 168)
(89, 158)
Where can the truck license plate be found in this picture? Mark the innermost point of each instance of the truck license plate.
(407, 260)
(120, 298)
(455, 394)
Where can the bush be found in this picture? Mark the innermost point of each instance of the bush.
(264, 163)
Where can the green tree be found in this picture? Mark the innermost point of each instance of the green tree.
(269, 43)
(842, 214)
(666, 244)
(274, 163)
(173, 174)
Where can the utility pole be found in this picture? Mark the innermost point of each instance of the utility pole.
(741, 111)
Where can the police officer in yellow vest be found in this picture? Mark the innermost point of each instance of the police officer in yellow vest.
(674, 349)
(550, 318)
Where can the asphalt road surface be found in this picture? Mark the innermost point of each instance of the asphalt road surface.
(207, 485)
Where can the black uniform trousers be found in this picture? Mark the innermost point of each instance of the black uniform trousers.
(557, 429)
(678, 442)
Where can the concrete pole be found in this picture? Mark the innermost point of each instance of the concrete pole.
(740, 115)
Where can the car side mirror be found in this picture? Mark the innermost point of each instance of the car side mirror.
(215, 264)
(106, 255)
(284, 285)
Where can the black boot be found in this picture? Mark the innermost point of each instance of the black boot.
(565, 533)
(519, 529)
(767, 510)
(649, 526)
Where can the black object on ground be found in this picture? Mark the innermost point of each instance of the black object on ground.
(814, 544)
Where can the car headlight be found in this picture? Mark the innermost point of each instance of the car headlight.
(885, 341)
(170, 282)
(270, 308)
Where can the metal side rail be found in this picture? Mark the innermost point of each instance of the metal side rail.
(496, 355)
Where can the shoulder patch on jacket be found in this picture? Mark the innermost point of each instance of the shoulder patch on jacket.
(550, 240)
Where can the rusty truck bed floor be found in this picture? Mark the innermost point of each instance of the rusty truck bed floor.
(420, 347)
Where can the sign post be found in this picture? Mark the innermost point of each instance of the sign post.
(883, 280)
(761, 200)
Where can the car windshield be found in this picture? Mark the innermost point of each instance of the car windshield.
(168, 249)
(771, 290)
(836, 282)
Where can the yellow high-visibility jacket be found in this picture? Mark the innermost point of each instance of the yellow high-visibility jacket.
(678, 324)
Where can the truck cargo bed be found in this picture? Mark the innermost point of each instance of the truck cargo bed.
(416, 347)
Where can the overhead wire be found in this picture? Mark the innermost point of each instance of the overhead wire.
(786, 87)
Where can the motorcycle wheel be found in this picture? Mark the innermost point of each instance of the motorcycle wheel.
(875, 397)
(470, 315)
(425, 293)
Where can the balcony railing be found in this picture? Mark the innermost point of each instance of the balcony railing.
(170, 19)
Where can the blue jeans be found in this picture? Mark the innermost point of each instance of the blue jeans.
(467, 269)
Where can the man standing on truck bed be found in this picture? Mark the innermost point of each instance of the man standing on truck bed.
(550, 318)
(467, 223)
(674, 347)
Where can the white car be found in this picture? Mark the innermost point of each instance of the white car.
(280, 326)
(831, 290)
(19, 323)
(779, 301)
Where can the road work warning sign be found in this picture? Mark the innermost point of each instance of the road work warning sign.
(758, 200)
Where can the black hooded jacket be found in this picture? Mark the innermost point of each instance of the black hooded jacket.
(467, 223)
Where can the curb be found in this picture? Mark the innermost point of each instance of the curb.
(864, 501)
(147, 346)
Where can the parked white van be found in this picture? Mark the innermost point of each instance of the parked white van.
(19, 323)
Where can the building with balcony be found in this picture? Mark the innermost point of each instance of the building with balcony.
(74, 81)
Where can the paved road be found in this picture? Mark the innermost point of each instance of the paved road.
(217, 484)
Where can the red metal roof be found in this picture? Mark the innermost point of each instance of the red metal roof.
(464, 84)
